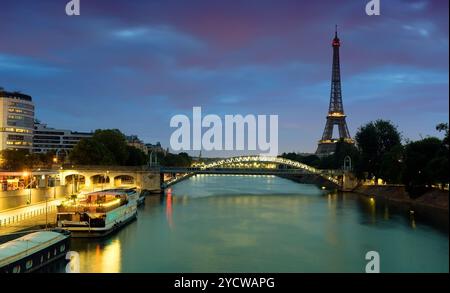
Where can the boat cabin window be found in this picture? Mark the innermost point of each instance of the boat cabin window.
(64, 217)
(29, 264)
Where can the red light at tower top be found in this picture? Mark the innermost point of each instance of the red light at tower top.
(336, 41)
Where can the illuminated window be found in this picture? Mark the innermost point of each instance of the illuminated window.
(16, 269)
(17, 130)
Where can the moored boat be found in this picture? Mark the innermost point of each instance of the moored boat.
(98, 213)
(33, 251)
(141, 198)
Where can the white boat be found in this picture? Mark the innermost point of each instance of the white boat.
(33, 251)
(98, 213)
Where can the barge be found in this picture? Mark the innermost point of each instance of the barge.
(33, 251)
(98, 213)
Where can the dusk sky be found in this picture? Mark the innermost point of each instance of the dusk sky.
(132, 65)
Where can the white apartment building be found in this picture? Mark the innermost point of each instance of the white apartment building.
(59, 141)
(16, 120)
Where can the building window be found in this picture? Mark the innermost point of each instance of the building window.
(15, 137)
(21, 111)
(17, 130)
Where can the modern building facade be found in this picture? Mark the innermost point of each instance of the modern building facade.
(59, 141)
(16, 120)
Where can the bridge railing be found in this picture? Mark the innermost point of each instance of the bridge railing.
(103, 167)
(222, 165)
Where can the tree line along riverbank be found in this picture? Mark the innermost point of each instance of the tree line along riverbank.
(431, 206)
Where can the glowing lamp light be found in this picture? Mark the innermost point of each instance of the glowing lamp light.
(112, 203)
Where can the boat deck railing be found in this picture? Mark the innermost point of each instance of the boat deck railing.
(86, 208)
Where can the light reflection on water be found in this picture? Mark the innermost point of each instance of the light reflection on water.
(263, 224)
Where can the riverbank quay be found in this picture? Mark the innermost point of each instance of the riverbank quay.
(311, 179)
(175, 180)
(32, 217)
(431, 206)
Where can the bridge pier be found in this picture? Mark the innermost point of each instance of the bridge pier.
(349, 181)
(114, 176)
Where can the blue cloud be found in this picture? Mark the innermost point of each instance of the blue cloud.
(10, 64)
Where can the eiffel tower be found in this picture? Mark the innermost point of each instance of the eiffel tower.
(336, 116)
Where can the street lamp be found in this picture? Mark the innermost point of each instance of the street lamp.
(73, 183)
(54, 187)
(104, 178)
(26, 174)
(46, 204)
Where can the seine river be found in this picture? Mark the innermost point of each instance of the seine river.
(218, 223)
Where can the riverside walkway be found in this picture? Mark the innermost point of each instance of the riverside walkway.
(28, 216)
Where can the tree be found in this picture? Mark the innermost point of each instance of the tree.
(425, 164)
(14, 160)
(310, 160)
(17, 160)
(175, 160)
(115, 142)
(136, 157)
(107, 147)
(91, 152)
(392, 165)
(185, 158)
(443, 127)
(374, 140)
(440, 162)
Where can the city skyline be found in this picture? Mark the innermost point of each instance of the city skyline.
(146, 62)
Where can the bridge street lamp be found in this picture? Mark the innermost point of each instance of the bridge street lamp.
(30, 176)
(104, 178)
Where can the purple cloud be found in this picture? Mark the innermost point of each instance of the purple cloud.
(153, 59)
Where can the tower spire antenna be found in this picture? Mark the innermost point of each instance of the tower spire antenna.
(336, 31)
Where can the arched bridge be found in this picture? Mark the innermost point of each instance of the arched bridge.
(252, 165)
(91, 178)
